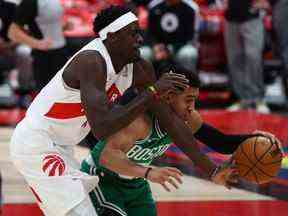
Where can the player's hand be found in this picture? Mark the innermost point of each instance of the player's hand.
(226, 174)
(171, 82)
(166, 176)
(272, 137)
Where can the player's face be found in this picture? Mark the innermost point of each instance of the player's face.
(184, 103)
(132, 40)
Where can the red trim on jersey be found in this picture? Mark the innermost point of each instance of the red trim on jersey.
(113, 93)
(66, 111)
(74, 110)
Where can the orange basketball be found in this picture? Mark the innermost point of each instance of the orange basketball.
(258, 159)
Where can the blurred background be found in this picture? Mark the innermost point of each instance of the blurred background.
(238, 48)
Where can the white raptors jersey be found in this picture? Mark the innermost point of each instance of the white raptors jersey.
(57, 108)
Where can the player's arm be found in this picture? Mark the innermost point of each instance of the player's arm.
(214, 138)
(114, 158)
(181, 134)
(103, 118)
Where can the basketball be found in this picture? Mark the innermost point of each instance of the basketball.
(258, 159)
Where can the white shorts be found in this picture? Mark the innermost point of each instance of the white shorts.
(51, 171)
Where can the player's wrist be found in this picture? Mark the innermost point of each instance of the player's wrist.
(147, 172)
(151, 89)
(214, 172)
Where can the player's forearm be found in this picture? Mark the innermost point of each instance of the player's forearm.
(18, 35)
(119, 117)
(182, 135)
(117, 161)
(218, 141)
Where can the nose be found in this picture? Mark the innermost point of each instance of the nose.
(191, 107)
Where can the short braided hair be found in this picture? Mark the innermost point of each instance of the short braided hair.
(107, 16)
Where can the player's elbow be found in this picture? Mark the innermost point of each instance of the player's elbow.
(100, 130)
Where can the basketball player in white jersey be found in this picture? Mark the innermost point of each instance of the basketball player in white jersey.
(80, 98)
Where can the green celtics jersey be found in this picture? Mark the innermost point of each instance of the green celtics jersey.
(142, 152)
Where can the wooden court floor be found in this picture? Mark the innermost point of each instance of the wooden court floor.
(195, 197)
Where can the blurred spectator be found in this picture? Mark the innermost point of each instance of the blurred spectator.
(280, 18)
(43, 18)
(7, 57)
(244, 38)
(15, 61)
(174, 23)
(7, 10)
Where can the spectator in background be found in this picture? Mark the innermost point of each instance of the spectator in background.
(15, 60)
(244, 38)
(43, 18)
(174, 23)
(6, 13)
(280, 18)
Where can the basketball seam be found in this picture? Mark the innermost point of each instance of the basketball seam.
(272, 143)
(255, 165)
(271, 163)
(256, 177)
(245, 165)
(264, 172)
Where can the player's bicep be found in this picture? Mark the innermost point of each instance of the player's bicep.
(92, 78)
(145, 74)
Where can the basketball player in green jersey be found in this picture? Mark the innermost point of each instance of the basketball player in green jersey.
(122, 160)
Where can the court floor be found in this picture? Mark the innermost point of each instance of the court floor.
(195, 197)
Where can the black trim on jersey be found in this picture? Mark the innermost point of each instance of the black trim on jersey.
(26, 13)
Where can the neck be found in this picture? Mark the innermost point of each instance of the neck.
(117, 59)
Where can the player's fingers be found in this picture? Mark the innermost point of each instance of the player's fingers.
(173, 169)
(233, 177)
(179, 84)
(178, 79)
(174, 90)
(177, 177)
(172, 182)
(171, 73)
(165, 186)
(228, 186)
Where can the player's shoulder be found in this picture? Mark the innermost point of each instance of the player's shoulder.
(143, 73)
(86, 66)
(90, 56)
(88, 61)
